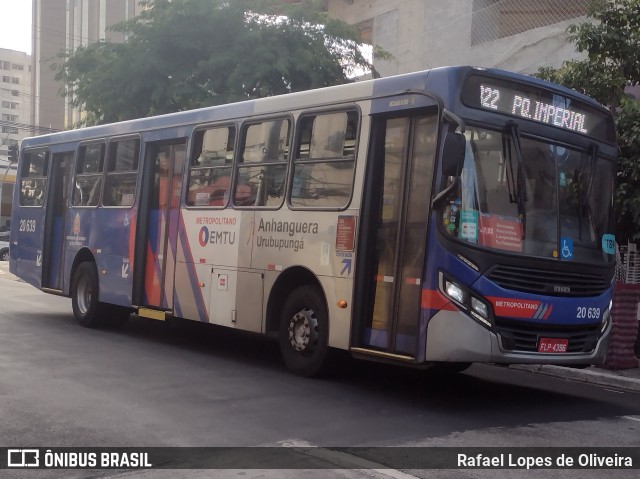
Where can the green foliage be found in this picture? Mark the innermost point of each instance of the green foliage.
(611, 44)
(628, 190)
(185, 54)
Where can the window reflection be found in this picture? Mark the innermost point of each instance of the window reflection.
(88, 182)
(122, 174)
(262, 168)
(532, 197)
(210, 170)
(34, 177)
(325, 160)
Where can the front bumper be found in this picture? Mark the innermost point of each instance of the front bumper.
(454, 336)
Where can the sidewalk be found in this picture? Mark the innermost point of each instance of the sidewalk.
(4, 270)
(625, 379)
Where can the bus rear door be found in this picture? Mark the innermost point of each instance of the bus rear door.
(158, 218)
(55, 218)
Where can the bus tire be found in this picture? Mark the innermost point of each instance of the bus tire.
(84, 295)
(304, 331)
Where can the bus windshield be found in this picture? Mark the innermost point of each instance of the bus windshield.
(532, 197)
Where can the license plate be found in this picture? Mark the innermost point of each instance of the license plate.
(553, 345)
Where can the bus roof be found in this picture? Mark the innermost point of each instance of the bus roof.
(443, 81)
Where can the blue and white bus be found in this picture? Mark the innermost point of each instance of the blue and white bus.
(443, 217)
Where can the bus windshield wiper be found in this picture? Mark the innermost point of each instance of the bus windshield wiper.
(516, 183)
(584, 197)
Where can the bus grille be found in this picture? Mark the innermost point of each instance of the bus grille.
(519, 336)
(552, 283)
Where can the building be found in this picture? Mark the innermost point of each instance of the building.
(63, 26)
(516, 35)
(15, 119)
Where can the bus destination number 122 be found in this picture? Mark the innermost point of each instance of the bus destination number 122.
(517, 104)
(489, 97)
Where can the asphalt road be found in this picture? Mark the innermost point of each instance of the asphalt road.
(150, 385)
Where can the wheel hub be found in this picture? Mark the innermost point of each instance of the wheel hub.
(84, 295)
(303, 330)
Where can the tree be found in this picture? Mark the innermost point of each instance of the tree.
(185, 54)
(611, 42)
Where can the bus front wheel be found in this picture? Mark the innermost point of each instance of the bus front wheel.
(84, 295)
(304, 331)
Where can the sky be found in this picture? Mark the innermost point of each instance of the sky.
(15, 28)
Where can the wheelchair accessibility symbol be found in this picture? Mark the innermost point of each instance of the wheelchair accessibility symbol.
(566, 250)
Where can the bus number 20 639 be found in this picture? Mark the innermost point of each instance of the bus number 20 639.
(588, 313)
(28, 226)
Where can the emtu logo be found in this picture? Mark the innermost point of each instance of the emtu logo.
(203, 237)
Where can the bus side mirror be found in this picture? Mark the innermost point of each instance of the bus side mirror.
(453, 153)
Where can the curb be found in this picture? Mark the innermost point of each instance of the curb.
(584, 375)
(4, 270)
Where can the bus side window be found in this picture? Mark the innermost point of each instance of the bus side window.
(122, 172)
(88, 181)
(210, 167)
(33, 177)
(262, 165)
(323, 167)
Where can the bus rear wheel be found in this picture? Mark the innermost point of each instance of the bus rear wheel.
(304, 331)
(89, 312)
(84, 295)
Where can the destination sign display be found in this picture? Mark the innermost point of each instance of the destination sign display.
(537, 104)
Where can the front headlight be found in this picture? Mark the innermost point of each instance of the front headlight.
(465, 300)
(454, 292)
(479, 307)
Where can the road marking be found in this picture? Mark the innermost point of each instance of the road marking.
(631, 418)
(614, 391)
(343, 460)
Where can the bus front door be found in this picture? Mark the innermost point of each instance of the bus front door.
(157, 230)
(54, 223)
(394, 234)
